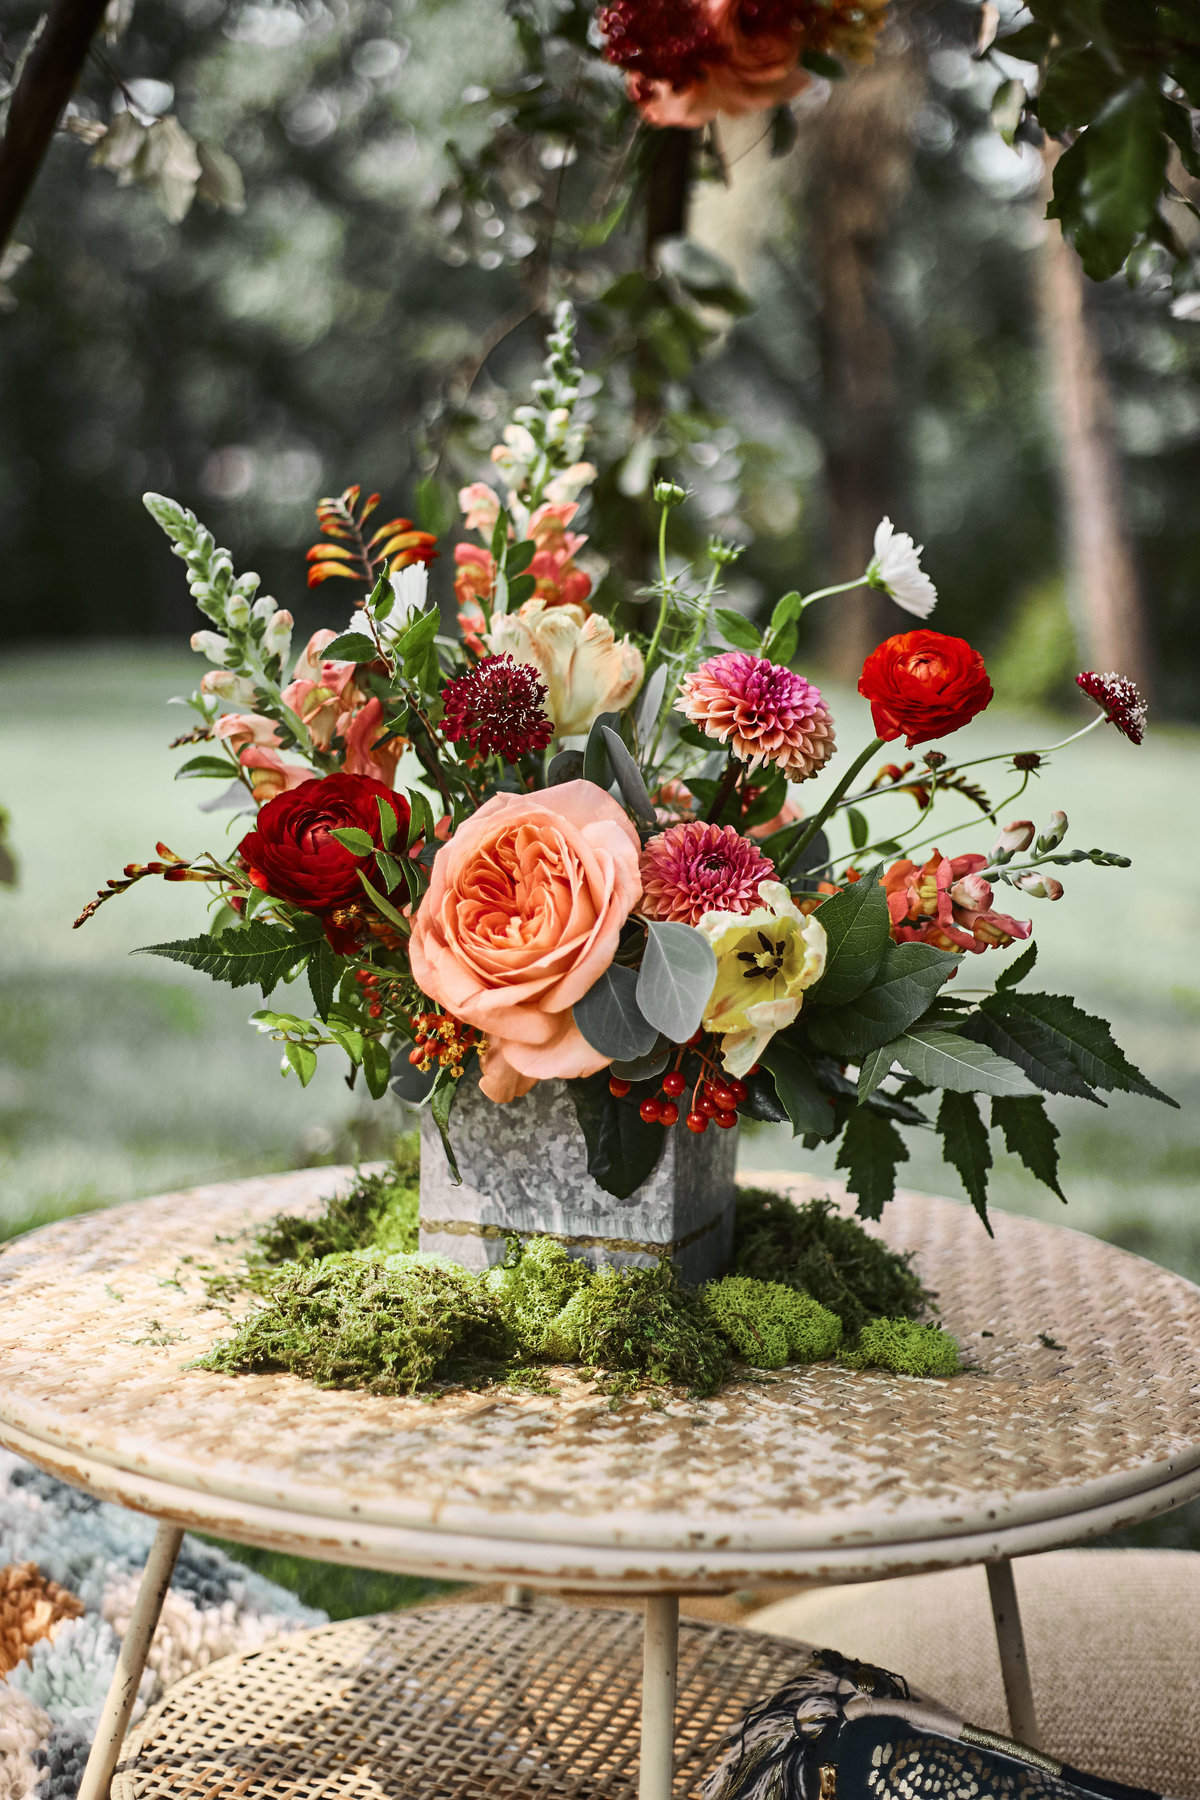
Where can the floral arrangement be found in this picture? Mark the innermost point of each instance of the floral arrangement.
(553, 850)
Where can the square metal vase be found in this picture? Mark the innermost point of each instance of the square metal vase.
(524, 1170)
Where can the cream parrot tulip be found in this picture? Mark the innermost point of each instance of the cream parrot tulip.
(765, 961)
(586, 669)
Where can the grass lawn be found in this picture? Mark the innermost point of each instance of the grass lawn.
(120, 1077)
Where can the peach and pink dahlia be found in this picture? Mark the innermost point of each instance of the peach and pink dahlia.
(765, 713)
(695, 868)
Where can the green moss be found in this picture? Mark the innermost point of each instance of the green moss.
(362, 1319)
(532, 1288)
(815, 1249)
(641, 1323)
(379, 1212)
(903, 1347)
(768, 1324)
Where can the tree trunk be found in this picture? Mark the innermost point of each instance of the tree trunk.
(1107, 603)
(857, 155)
(47, 83)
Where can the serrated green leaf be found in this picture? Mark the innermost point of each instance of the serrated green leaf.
(376, 1067)
(1017, 970)
(391, 871)
(965, 1145)
(1030, 1134)
(257, 952)
(737, 629)
(676, 979)
(385, 906)
(944, 1059)
(352, 646)
(350, 837)
(421, 822)
(874, 1068)
(610, 1018)
(413, 644)
(1055, 1024)
(1013, 1033)
(322, 971)
(207, 768)
(807, 1106)
(302, 1058)
(870, 1149)
(903, 989)
(388, 823)
(623, 1151)
(858, 933)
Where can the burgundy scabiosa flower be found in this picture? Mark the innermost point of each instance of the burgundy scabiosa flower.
(499, 708)
(695, 868)
(765, 713)
(659, 40)
(1118, 699)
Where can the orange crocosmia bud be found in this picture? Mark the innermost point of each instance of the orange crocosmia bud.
(392, 525)
(334, 550)
(323, 570)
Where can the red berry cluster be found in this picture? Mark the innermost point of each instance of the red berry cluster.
(373, 991)
(714, 1096)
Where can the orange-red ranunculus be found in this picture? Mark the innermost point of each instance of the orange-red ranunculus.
(922, 685)
(523, 915)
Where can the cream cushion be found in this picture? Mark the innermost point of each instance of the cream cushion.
(1113, 1640)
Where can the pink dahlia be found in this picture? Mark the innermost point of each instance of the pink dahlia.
(765, 713)
(696, 868)
(1119, 700)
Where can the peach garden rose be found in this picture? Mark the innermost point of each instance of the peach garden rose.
(523, 915)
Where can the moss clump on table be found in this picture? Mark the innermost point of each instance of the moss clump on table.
(345, 1300)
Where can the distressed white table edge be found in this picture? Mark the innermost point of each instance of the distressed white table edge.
(622, 1565)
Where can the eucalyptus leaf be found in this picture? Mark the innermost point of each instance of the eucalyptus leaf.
(645, 1068)
(650, 702)
(596, 764)
(409, 1083)
(629, 780)
(676, 979)
(610, 1019)
(566, 766)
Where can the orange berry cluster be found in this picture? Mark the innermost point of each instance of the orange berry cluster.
(438, 1037)
(716, 1099)
(375, 989)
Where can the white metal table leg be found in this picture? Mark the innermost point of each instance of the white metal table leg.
(135, 1647)
(660, 1661)
(1014, 1664)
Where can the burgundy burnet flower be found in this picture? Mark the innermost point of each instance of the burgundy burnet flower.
(1118, 699)
(499, 708)
(696, 867)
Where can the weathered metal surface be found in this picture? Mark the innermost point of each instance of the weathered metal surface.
(524, 1169)
(813, 1471)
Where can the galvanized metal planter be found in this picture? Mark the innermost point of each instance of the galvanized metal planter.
(524, 1170)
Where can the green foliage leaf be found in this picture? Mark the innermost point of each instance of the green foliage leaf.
(1108, 184)
(415, 645)
(350, 837)
(257, 952)
(302, 1058)
(388, 824)
(907, 980)
(859, 829)
(737, 629)
(965, 1145)
(629, 780)
(323, 971)
(376, 1067)
(1075, 87)
(566, 766)
(519, 557)
(1030, 1134)
(944, 1059)
(596, 764)
(874, 1068)
(1017, 969)
(611, 1020)
(870, 1149)
(391, 871)
(384, 905)
(809, 1109)
(623, 1150)
(858, 933)
(207, 768)
(352, 646)
(409, 1083)
(1061, 1036)
(441, 1105)
(521, 589)
(762, 1100)
(675, 980)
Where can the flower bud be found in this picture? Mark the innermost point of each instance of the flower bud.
(1038, 886)
(1016, 835)
(238, 690)
(212, 645)
(278, 635)
(669, 493)
(972, 892)
(237, 613)
(264, 607)
(1055, 832)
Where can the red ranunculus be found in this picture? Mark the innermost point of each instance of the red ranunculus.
(293, 855)
(922, 685)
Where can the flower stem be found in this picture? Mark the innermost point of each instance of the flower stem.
(662, 576)
(840, 587)
(810, 830)
(728, 782)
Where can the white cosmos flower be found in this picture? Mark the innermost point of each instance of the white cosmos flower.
(409, 586)
(896, 568)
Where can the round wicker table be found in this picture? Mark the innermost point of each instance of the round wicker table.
(1079, 1412)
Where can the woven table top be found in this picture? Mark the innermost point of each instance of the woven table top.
(449, 1703)
(1081, 1411)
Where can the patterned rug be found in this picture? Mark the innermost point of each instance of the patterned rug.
(69, 1571)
